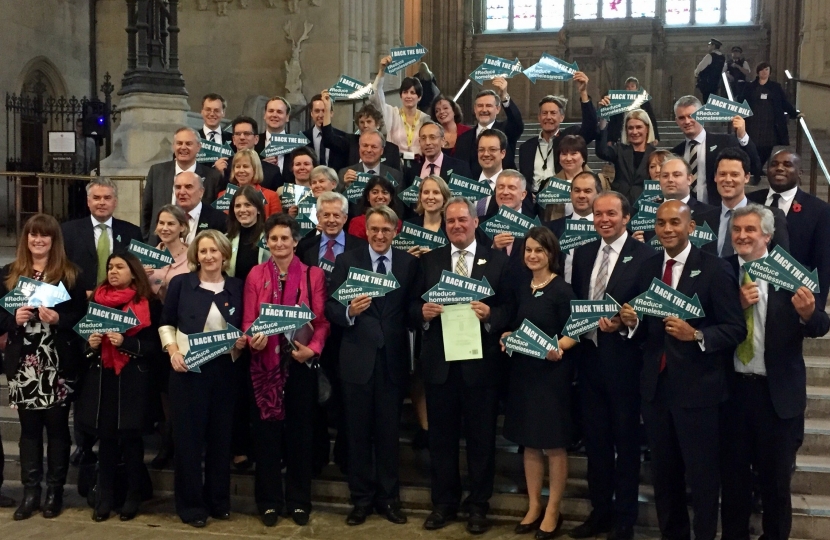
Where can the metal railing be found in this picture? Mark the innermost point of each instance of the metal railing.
(60, 195)
(802, 131)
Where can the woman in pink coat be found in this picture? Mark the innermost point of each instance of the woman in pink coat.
(283, 375)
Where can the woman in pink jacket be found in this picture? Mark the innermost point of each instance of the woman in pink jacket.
(283, 375)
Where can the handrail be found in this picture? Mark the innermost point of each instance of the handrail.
(805, 81)
(816, 157)
(727, 86)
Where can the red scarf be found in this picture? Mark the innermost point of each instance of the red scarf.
(124, 299)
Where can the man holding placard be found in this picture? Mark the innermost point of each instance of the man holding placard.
(609, 371)
(682, 382)
(584, 190)
(374, 361)
(465, 389)
(511, 189)
(371, 151)
(764, 416)
(334, 156)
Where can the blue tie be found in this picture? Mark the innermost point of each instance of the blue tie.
(381, 265)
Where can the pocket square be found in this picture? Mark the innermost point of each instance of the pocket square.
(481, 261)
(232, 310)
(203, 225)
(694, 273)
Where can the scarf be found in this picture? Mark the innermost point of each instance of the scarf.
(125, 299)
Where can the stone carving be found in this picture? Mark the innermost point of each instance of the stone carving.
(222, 7)
(294, 5)
(202, 5)
(293, 69)
(243, 4)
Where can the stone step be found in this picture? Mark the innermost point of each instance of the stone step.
(818, 370)
(817, 346)
(818, 402)
(816, 437)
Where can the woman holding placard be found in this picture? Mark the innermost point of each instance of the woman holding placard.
(283, 375)
(379, 191)
(201, 402)
(247, 171)
(303, 161)
(42, 359)
(538, 414)
(630, 155)
(114, 403)
(402, 124)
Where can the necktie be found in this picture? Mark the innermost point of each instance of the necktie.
(103, 250)
(481, 205)
(693, 147)
(461, 264)
(776, 200)
(602, 275)
(667, 275)
(726, 249)
(432, 169)
(329, 254)
(212, 136)
(381, 265)
(746, 350)
(371, 171)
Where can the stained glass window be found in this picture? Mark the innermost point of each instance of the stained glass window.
(678, 11)
(553, 13)
(707, 11)
(498, 13)
(614, 9)
(643, 8)
(524, 14)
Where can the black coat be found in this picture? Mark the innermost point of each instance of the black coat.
(627, 180)
(466, 145)
(186, 305)
(334, 142)
(144, 350)
(79, 242)
(780, 105)
(615, 123)
(448, 164)
(350, 144)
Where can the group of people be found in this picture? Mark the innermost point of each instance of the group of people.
(258, 402)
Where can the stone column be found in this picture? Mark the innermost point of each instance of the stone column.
(814, 64)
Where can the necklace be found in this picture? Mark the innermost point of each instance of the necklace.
(539, 286)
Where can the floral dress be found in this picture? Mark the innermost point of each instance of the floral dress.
(38, 383)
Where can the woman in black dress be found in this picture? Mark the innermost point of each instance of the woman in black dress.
(538, 414)
(115, 399)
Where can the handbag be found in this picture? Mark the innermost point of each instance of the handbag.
(303, 335)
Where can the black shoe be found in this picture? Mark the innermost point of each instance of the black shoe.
(549, 535)
(622, 533)
(593, 526)
(421, 440)
(243, 465)
(53, 505)
(524, 528)
(6, 502)
(129, 510)
(392, 513)
(77, 456)
(438, 520)
(162, 459)
(222, 516)
(98, 517)
(29, 505)
(300, 517)
(478, 523)
(358, 515)
(270, 517)
(198, 523)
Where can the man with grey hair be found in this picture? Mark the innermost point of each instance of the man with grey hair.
(371, 152)
(763, 420)
(329, 240)
(701, 148)
(511, 189)
(434, 160)
(158, 188)
(188, 190)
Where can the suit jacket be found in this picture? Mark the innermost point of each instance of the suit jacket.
(226, 136)
(701, 213)
(383, 169)
(695, 378)
(528, 150)
(783, 355)
(308, 250)
(627, 179)
(186, 305)
(615, 359)
(449, 164)
(350, 143)
(487, 371)
(808, 234)
(334, 143)
(79, 242)
(467, 150)
(715, 142)
(383, 325)
(158, 191)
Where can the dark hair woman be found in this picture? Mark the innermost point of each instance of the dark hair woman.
(42, 362)
(402, 124)
(379, 191)
(446, 112)
(115, 399)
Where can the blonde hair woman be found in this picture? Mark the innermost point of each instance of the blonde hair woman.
(246, 169)
(630, 155)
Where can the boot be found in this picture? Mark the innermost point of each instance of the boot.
(31, 475)
(57, 459)
(29, 505)
(53, 505)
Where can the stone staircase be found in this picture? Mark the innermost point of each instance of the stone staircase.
(810, 485)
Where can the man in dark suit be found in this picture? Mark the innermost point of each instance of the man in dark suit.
(462, 390)
(511, 189)
(492, 148)
(245, 136)
(335, 156)
(808, 217)
(368, 118)
(731, 177)
(609, 372)
(763, 420)
(158, 189)
(539, 156)
(434, 161)
(371, 151)
(213, 111)
(682, 382)
(701, 148)
(188, 190)
(585, 187)
(276, 117)
(488, 103)
(374, 367)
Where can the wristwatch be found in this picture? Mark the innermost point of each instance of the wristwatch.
(698, 336)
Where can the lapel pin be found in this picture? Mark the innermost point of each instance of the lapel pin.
(482, 261)
(712, 148)
(796, 207)
(626, 259)
(118, 237)
(694, 273)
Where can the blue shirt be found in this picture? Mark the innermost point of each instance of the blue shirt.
(339, 246)
(375, 256)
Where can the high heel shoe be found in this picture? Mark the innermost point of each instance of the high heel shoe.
(524, 528)
(550, 535)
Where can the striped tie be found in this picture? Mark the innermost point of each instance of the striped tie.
(602, 275)
(693, 147)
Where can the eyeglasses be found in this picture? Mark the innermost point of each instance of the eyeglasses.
(385, 231)
(242, 133)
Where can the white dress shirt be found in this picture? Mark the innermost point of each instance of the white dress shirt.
(317, 136)
(759, 316)
(179, 170)
(677, 270)
(469, 257)
(375, 256)
(569, 257)
(367, 168)
(613, 256)
(492, 183)
(97, 231)
(701, 192)
(208, 131)
(193, 222)
(786, 201)
(544, 158)
(724, 234)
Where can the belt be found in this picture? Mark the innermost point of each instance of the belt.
(751, 376)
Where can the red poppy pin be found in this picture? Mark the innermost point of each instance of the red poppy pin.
(226, 304)
(796, 207)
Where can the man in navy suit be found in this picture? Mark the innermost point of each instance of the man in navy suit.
(609, 372)
(701, 148)
(584, 190)
(683, 380)
(213, 111)
(435, 161)
(511, 189)
(763, 420)
(808, 217)
(374, 367)
(334, 156)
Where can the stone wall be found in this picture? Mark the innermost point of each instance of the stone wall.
(815, 64)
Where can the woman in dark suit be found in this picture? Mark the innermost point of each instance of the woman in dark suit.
(630, 156)
(42, 361)
(115, 399)
(538, 414)
(202, 403)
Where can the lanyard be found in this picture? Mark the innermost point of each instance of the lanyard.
(545, 158)
(410, 129)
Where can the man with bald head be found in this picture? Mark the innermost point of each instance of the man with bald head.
(682, 382)
(188, 192)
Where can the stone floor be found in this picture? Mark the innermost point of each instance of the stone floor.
(158, 521)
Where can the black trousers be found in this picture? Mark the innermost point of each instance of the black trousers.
(110, 451)
(56, 421)
(754, 435)
(201, 407)
(267, 439)
(373, 413)
(611, 422)
(684, 446)
(300, 409)
(241, 434)
(448, 405)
